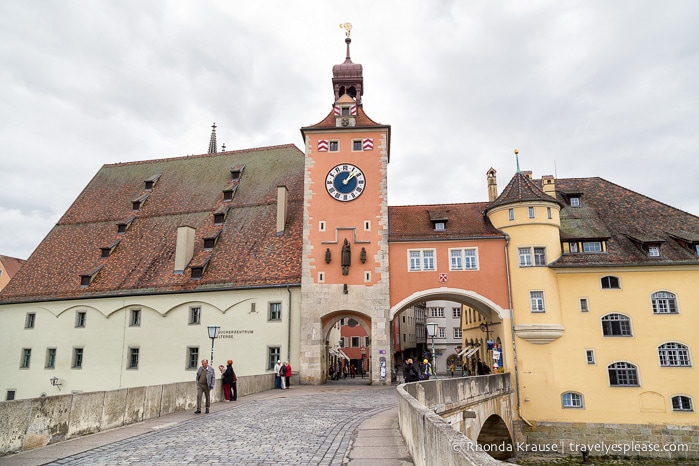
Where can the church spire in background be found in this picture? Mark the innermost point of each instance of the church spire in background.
(212, 141)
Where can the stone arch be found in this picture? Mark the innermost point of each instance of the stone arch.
(328, 321)
(495, 438)
(467, 297)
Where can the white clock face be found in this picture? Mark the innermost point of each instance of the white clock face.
(345, 182)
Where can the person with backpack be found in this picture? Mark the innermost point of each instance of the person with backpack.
(282, 375)
(425, 370)
(410, 373)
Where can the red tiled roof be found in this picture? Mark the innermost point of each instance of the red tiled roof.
(248, 252)
(11, 264)
(363, 120)
(464, 221)
(520, 189)
(623, 218)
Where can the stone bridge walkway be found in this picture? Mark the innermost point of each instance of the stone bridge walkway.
(306, 425)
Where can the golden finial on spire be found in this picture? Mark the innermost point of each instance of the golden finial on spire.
(347, 27)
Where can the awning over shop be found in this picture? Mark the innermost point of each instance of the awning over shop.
(339, 353)
(468, 351)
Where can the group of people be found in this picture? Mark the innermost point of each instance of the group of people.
(282, 372)
(206, 378)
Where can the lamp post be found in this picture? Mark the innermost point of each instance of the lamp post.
(431, 331)
(213, 334)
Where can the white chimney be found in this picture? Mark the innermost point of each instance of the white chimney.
(185, 247)
(282, 194)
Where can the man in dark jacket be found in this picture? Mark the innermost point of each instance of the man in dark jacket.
(410, 373)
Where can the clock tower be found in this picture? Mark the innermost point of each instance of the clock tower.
(345, 249)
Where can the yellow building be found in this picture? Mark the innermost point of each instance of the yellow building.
(604, 297)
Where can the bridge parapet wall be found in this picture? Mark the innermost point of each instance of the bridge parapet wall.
(431, 417)
(32, 423)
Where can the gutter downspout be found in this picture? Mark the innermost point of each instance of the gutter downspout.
(288, 342)
(512, 326)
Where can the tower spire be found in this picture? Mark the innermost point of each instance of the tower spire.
(212, 141)
(347, 77)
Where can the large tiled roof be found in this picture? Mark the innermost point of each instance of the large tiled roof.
(625, 219)
(187, 191)
(463, 221)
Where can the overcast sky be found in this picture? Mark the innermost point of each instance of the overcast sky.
(581, 88)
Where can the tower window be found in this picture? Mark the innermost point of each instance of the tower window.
(537, 301)
(334, 146)
(511, 214)
(531, 212)
(357, 145)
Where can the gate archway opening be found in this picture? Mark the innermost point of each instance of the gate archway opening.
(494, 438)
(347, 351)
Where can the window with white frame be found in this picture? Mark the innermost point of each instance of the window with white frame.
(421, 260)
(463, 259)
(654, 251)
(674, 354)
(592, 246)
(457, 333)
(441, 332)
(664, 302)
(29, 320)
(537, 301)
(575, 202)
(456, 312)
(531, 212)
(540, 257)
(616, 325)
(511, 214)
(572, 400)
(525, 257)
(623, 374)
(436, 311)
(682, 403)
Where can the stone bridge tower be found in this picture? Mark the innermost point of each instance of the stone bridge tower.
(345, 249)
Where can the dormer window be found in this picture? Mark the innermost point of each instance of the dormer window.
(220, 215)
(229, 192)
(87, 278)
(199, 269)
(123, 226)
(575, 201)
(211, 241)
(138, 202)
(237, 172)
(654, 251)
(150, 182)
(108, 250)
(439, 219)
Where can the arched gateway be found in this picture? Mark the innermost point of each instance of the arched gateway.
(353, 241)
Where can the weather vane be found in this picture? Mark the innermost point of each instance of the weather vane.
(347, 27)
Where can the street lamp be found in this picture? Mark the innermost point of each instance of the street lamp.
(213, 334)
(431, 331)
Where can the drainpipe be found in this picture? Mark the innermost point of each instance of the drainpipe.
(512, 327)
(288, 343)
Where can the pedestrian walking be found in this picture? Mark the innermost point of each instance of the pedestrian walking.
(205, 383)
(451, 369)
(230, 382)
(410, 372)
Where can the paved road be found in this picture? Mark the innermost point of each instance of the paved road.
(305, 425)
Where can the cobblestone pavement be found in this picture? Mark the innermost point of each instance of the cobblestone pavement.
(301, 426)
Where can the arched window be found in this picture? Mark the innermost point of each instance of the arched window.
(664, 302)
(616, 325)
(610, 282)
(674, 354)
(623, 374)
(682, 403)
(572, 400)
